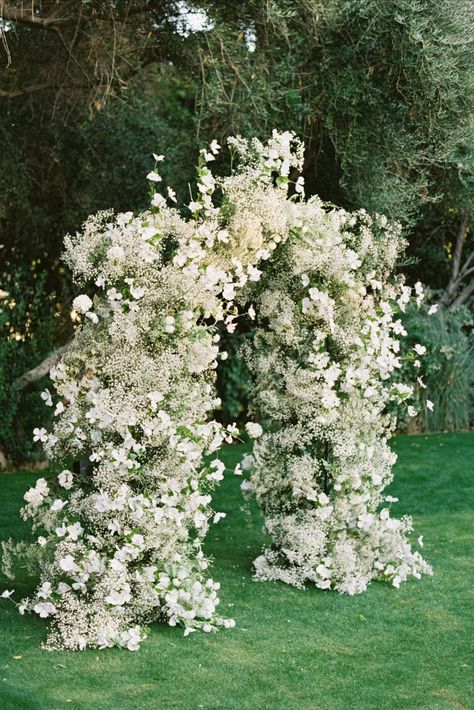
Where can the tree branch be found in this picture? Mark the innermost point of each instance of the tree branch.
(463, 296)
(27, 90)
(32, 376)
(457, 274)
(19, 13)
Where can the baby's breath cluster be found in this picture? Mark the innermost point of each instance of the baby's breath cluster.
(325, 357)
(119, 538)
(118, 541)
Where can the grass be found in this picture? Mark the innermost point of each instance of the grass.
(387, 649)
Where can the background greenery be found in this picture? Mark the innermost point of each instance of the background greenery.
(381, 92)
(398, 649)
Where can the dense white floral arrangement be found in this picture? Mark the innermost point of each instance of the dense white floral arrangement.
(325, 355)
(120, 545)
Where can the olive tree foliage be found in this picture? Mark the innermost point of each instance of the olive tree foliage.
(382, 93)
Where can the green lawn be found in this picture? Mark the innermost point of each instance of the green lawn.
(387, 649)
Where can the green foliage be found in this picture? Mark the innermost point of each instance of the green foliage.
(407, 649)
(90, 163)
(31, 323)
(382, 92)
(447, 369)
(233, 380)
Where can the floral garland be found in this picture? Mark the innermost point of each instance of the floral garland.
(119, 543)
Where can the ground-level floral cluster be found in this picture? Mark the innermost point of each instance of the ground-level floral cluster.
(119, 540)
(325, 356)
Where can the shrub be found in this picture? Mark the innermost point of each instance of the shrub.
(30, 324)
(447, 369)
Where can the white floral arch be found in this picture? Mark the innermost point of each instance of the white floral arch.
(120, 545)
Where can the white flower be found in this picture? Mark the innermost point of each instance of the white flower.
(421, 383)
(44, 609)
(254, 430)
(59, 409)
(65, 479)
(215, 147)
(40, 434)
(157, 201)
(118, 598)
(429, 405)
(137, 291)
(253, 273)
(148, 233)
(131, 638)
(57, 505)
(299, 185)
(114, 295)
(153, 176)
(158, 158)
(432, 309)
(194, 206)
(7, 594)
(247, 462)
(67, 564)
(154, 398)
(82, 303)
(92, 317)
(44, 591)
(74, 531)
(402, 391)
(35, 496)
(115, 253)
(419, 349)
(228, 292)
(46, 397)
(171, 194)
(218, 516)
(218, 468)
(207, 156)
